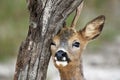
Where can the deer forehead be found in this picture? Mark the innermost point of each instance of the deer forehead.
(66, 36)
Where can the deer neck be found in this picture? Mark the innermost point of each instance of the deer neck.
(72, 73)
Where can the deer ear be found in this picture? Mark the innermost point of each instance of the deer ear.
(93, 28)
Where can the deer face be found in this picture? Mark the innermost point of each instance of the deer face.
(67, 47)
(68, 44)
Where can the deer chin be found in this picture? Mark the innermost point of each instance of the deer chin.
(61, 63)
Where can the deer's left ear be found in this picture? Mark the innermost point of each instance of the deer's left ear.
(93, 28)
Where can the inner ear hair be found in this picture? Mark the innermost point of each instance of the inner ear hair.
(93, 28)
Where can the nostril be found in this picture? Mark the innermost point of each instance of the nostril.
(64, 54)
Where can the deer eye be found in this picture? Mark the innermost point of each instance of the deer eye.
(52, 43)
(76, 44)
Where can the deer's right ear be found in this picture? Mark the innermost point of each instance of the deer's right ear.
(93, 28)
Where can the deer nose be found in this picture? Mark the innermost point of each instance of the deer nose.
(60, 55)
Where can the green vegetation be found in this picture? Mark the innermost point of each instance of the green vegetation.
(14, 23)
(13, 27)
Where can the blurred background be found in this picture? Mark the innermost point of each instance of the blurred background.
(101, 59)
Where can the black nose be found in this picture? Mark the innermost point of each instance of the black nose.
(60, 54)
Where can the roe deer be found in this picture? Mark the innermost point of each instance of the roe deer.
(68, 44)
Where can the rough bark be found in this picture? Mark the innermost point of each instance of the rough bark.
(46, 19)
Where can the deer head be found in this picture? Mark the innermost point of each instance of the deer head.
(68, 45)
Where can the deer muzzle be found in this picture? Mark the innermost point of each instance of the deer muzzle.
(61, 58)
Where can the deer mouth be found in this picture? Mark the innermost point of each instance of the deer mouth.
(62, 61)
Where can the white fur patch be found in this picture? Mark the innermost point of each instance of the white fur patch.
(89, 30)
(63, 63)
(55, 58)
(64, 58)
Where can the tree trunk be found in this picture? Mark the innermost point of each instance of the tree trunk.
(46, 19)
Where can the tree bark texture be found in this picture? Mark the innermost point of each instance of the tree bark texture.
(46, 19)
